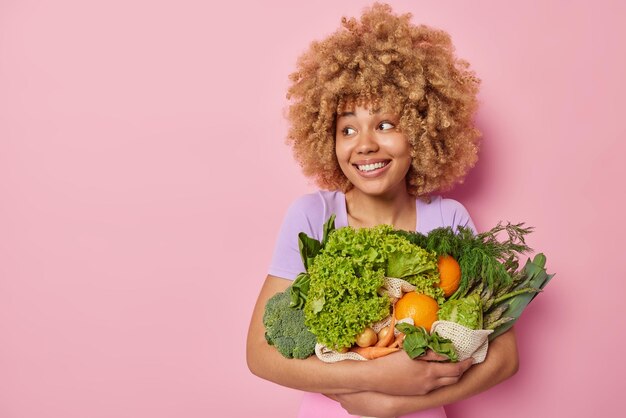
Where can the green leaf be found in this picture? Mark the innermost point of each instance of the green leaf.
(466, 311)
(405, 328)
(402, 264)
(299, 290)
(318, 304)
(540, 260)
(443, 346)
(537, 278)
(309, 248)
(329, 227)
(415, 341)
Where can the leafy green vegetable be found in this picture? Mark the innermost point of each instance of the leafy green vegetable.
(299, 290)
(417, 341)
(489, 269)
(531, 281)
(347, 273)
(329, 227)
(341, 303)
(483, 258)
(467, 312)
(344, 272)
(309, 248)
(443, 346)
(285, 328)
(406, 259)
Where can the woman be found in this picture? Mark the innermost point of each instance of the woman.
(381, 117)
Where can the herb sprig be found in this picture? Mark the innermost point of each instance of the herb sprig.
(482, 257)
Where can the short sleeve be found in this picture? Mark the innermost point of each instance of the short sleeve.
(454, 214)
(302, 216)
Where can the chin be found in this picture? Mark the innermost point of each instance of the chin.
(376, 191)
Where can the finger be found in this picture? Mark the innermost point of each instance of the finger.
(451, 369)
(432, 356)
(466, 364)
(453, 377)
(445, 381)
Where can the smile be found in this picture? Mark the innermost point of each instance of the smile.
(371, 167)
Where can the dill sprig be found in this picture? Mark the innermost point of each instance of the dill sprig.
(484, 258)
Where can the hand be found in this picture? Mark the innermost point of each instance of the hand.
(368, 404)
(397, 374)
(432, 356)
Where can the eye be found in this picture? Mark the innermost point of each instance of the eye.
(385, 126)
(347, 131)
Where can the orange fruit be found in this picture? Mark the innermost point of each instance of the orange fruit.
(449, 274)
(422, 308)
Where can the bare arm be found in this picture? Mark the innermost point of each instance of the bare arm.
(394, 374)
(500, 364)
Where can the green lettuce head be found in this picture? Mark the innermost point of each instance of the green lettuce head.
(467, 312)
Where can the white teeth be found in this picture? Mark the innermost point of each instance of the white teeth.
(370, 167)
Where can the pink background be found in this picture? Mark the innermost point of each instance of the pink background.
(143, 177)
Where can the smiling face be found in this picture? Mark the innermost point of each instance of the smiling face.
(371, 152)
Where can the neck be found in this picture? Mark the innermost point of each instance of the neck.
(365, 211)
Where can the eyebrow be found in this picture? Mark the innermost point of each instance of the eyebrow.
(341, 115)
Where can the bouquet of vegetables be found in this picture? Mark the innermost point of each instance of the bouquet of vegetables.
(372, 291)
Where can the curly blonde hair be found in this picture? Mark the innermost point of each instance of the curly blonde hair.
(385, 62)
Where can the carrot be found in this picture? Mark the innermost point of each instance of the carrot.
(384, 342)
(372, 353)
(398, 341)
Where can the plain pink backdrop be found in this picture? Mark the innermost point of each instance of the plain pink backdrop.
(143, 177)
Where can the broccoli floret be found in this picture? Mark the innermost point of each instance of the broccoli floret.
(285, 329)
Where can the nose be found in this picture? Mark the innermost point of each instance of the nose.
(367, 143)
